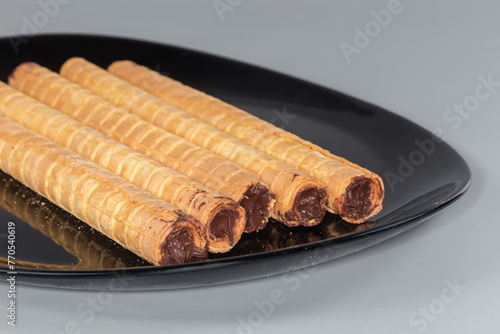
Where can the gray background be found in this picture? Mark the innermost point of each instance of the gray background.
(427, 59)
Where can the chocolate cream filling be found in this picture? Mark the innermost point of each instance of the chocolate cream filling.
(256, 203)
(357, 199)
(179, 247)
(223, 224)
(309, 205)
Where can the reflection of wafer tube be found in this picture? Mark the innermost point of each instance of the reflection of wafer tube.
(339, 228)
(353, 192)
(91, 248)
(32, 265)
(278, 236)
(151, 228)
(183, 156)
(208, 207)
(300, 199)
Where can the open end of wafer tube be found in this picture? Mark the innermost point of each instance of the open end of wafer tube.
(357, 202)
(257, 204)
(309, 207)
(179, 247)
(222, 225)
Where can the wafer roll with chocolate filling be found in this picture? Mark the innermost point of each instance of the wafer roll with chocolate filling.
(353, 192)
(131, 216)
(92, 249)
(221, 218)
(174, 152)
(300, 199)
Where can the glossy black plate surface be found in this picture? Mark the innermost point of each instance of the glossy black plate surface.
(422, 175)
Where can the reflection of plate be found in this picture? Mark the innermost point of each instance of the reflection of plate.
(425, 175)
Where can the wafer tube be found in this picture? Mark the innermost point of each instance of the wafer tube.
(353, 192)
(92, 249)
(212, 210)
(300, 199)
(146, 225)
(183, 156)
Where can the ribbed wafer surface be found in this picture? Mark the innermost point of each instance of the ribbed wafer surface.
(122, 211)
(353, 192)
(287, 183)
(180, 191)
(170, 150)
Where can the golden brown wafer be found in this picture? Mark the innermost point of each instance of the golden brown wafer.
(353, 192)
(146, 225)
(300, 199)
(183, 156)
(212, 210)
(92, 249)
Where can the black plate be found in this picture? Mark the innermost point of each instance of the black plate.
(422, 175)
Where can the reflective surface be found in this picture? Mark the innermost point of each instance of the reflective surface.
(379, 140)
